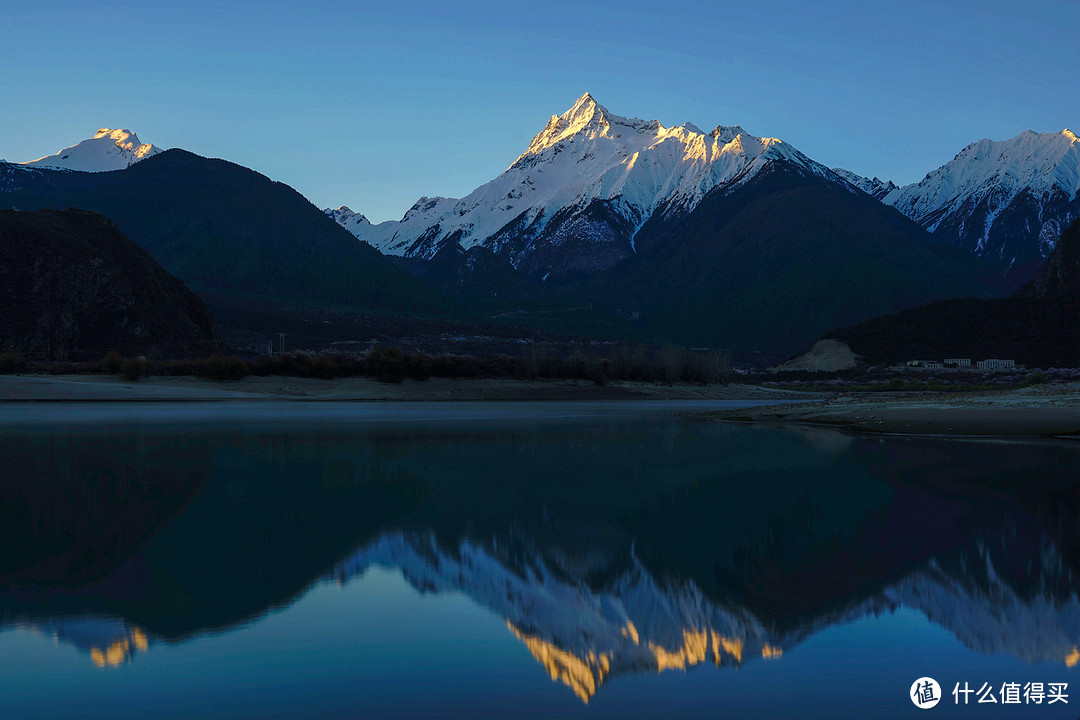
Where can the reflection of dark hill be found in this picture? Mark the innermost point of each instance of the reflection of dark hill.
(272, 516)
(71, 511)
(254, 540)
(73, 287)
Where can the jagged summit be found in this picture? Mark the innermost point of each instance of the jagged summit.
(108, 149)
(584, 116)
(727, 133)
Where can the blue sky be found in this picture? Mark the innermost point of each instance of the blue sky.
(375, 104)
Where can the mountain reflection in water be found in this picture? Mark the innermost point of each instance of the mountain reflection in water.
(609, 548)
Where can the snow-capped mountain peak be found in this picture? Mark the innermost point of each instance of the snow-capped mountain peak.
(1006, 199)
(585, 162)
(108, 149)
(585, 117)
(1032, 161)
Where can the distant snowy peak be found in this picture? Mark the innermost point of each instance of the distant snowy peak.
(1036, 162)
(1004, 200)
(108, 150)
(875, 187)
(585, 158)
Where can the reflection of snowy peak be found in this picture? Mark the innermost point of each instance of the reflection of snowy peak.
(1008, 200)
(107, 150)
(109, 642)
(583, 633)
(589, 175)
(988, 615)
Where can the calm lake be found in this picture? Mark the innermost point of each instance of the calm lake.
(500, 560)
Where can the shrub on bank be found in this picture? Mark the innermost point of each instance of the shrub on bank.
(11, 363)
(1036, 378)
(224, 369)
(387, 364)
(392, 364)
(112, 362)
(418, 367)
(133, 368)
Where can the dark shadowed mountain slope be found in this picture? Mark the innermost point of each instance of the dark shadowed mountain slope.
(73, 287)
(1059, 279)
(777, 261)
(1038, 326)
(228, 230)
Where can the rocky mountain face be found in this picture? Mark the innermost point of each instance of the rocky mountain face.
(1059, 279)
(1007, 201)
(73, 287)
(572, 203)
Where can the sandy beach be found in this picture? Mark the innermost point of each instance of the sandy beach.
(101, 388)
(1038, 411)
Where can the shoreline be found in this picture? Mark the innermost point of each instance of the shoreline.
(107, 389)
(1046, 411)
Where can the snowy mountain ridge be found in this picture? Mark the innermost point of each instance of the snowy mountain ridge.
(344, 215)
(1006, 200)
(107, 150)
(875, 187)
(575, 199)
(1039, 163)
(584, 156)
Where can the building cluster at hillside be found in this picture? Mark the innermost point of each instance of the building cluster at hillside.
(963, 364)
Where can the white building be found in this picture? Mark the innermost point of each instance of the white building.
(994, 364)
